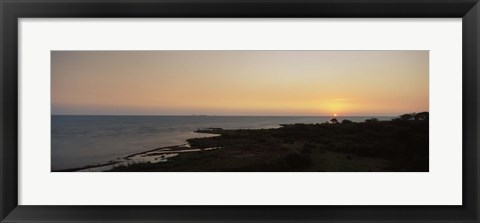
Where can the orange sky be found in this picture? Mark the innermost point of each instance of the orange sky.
(239, 82)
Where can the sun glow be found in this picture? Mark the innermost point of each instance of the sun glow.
(335, 115)
(283, 83)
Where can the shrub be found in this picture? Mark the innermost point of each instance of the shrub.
(307, 148)
(372, 120)
(296, 160)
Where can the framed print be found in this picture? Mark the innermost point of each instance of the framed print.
(239, 111)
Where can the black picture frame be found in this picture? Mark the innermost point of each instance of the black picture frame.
(12, 10)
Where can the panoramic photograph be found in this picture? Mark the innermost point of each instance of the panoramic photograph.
(240, 111)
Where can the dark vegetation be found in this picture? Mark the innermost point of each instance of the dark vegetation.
(401, 144)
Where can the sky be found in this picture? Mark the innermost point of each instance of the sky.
(280, 83)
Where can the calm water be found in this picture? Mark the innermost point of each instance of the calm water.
(78, 141)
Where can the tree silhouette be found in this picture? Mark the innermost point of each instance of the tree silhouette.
(408, 117)
(422, 116)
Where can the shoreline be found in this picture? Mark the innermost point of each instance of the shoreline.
(160, 154)
(397, 145)
(125, 158)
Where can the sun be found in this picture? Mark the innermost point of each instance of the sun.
(335, 115)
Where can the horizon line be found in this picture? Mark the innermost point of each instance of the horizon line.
(194, 115)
